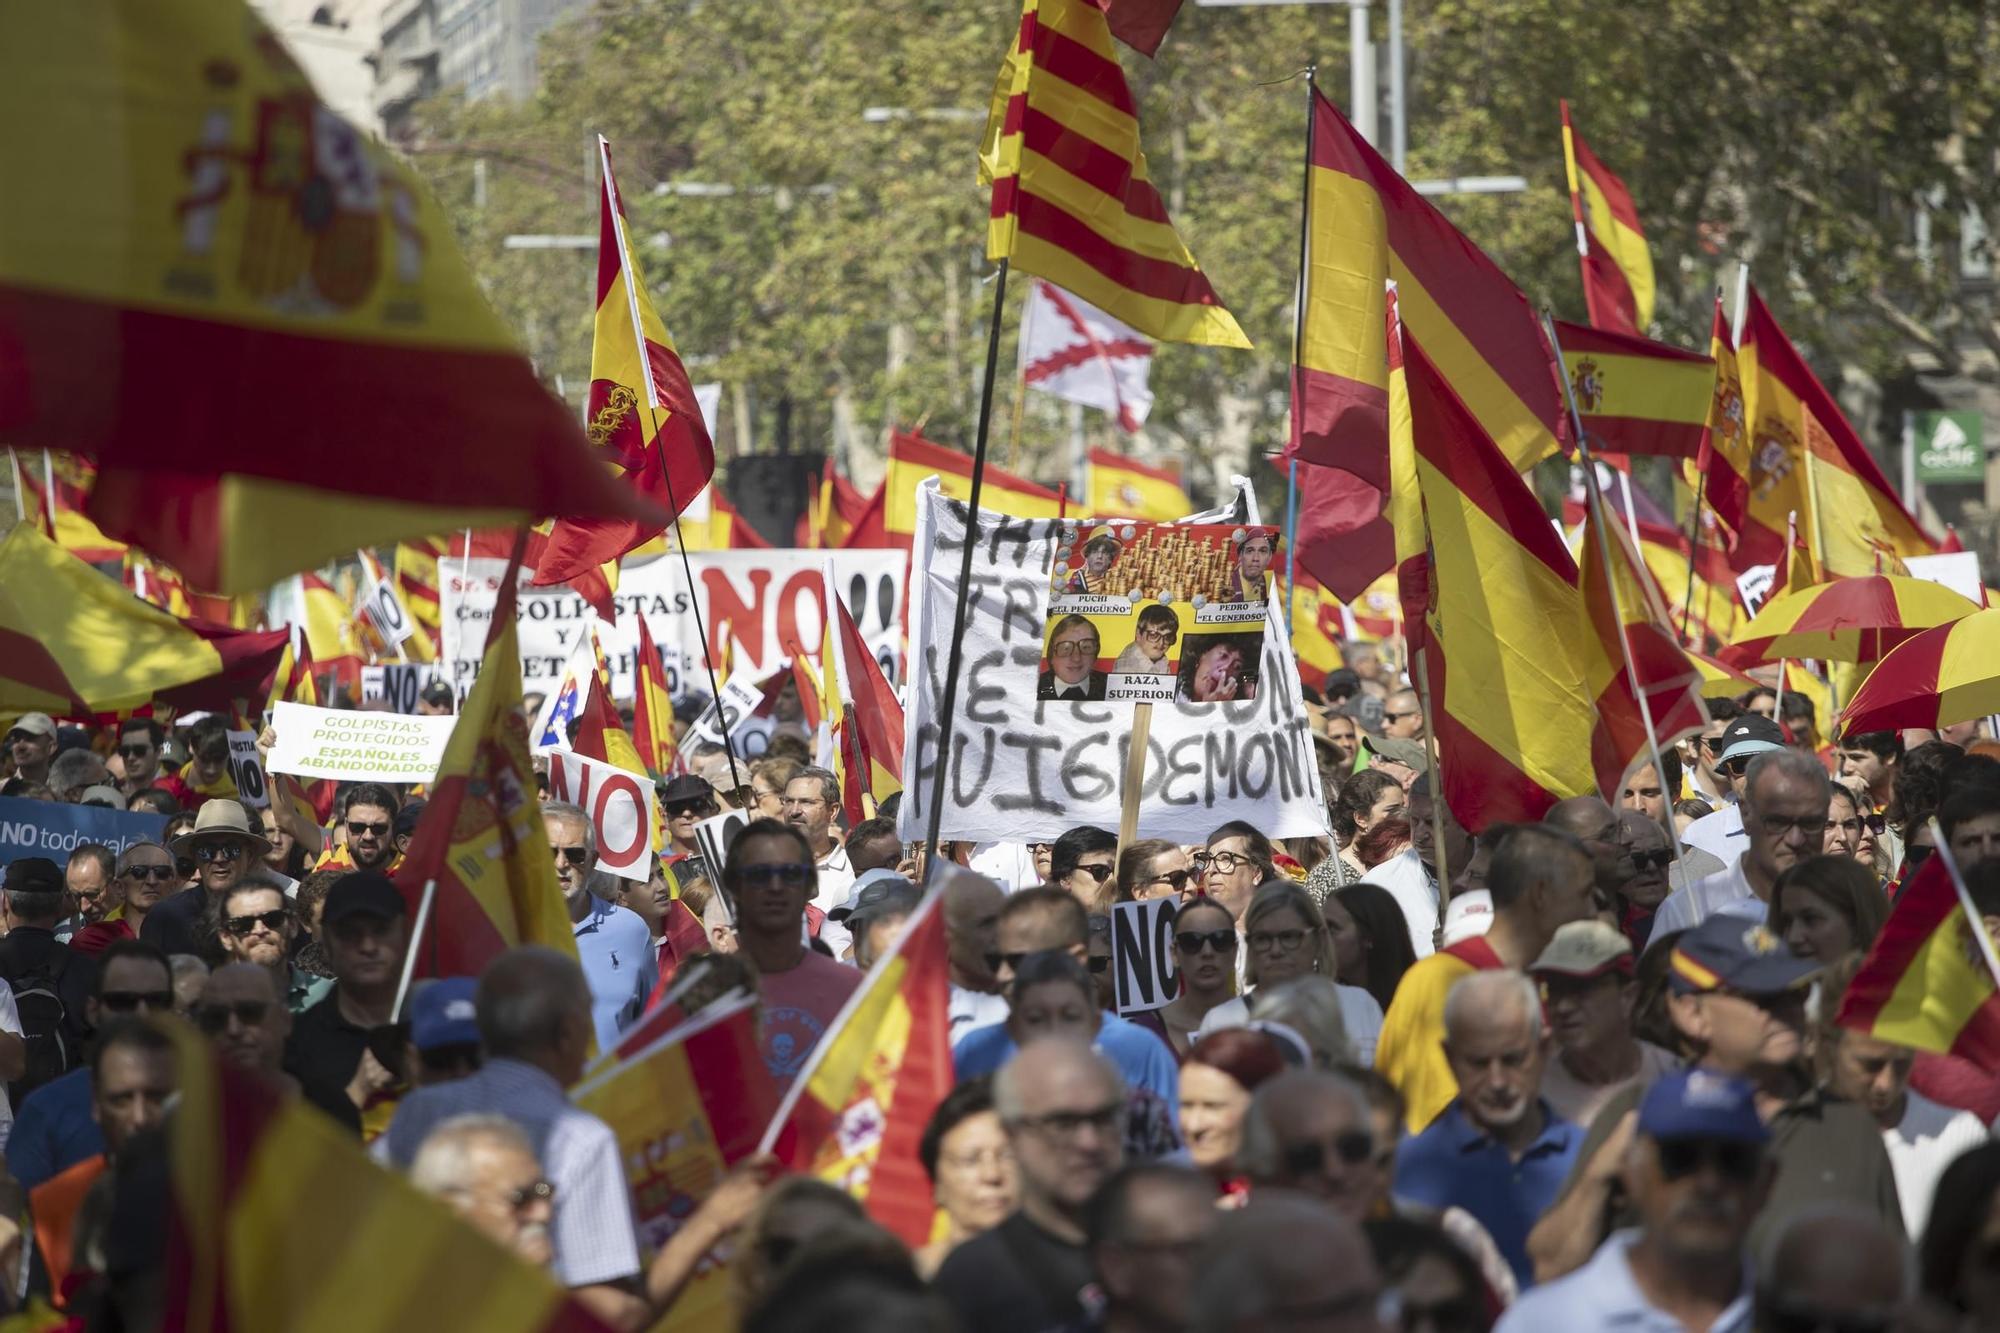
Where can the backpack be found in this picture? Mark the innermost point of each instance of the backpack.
(46, 1027)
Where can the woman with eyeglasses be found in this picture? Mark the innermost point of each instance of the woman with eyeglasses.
(1236, 860)
(1217, 1081)
(1828, 907)
(1287, 939)
(971, 1167)
(1205, 946)
(1154, 868)
(768, 780)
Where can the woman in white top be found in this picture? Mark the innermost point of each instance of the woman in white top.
(1288, 938)
(1366, 799)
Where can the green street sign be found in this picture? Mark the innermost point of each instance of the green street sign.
(1950, 446)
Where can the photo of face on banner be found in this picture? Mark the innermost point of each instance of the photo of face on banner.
(1092, 578)
(1153, 639)
(1218, 668)
(1255, 550)
(1069, 669)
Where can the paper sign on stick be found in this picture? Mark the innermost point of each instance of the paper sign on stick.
(246, 771)
(353, 746)
(621, 806)
(1142, 954)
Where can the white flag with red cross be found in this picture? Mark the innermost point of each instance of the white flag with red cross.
(1075, 351)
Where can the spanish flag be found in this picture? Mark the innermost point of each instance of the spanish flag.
(1617, 267)
(912, 458)
(1072, 199)
(858, 695)
(652, 709)
(643, 416)
(1316, 629)
(1637, 396)
(1819, 466)
(1121, 487)
(416, 570)
(57, 486)
(251, 316)
(1928, 980)
(856, 1112)
(1722, 467)
(837, 506)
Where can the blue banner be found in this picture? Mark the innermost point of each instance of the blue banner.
(46, 828)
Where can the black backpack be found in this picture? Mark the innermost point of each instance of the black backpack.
(46, 1026)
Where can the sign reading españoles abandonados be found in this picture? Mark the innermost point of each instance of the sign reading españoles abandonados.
(354, 746)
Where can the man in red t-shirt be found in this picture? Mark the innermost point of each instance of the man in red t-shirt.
(769, 877)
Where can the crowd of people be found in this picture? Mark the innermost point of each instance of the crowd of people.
(1578, 1074)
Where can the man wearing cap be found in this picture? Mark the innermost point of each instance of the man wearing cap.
(223, 847)
(1785, 797)
(685, 800)
(882, 901)
(1585, 976)
(34, 963)
(1398, 756)
(1699, 1174)
(365, 933)
(1742, 738)
(1736, 997)
(141, 746)
(444, 1031)
(243, 1015)
(257, 924)
(612, 942)
(32, 739)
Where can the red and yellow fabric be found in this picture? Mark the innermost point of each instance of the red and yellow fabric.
(1722, 470)
(1617, 266)
(156, 583)
(1810, 461)
(1500, 612)
(643, 417)
(1316, 629)
(1715, 612)
(56, 485)
(1637, 396)
(1072, 200)
(912, 458)
(244, 252)
(856, 687)
(1934, 679)
(416, 571)
(1410, 1050)
(856, 1112)
(652, 709)
(1720, 681)
(1846, 620)
(837, 506)
(481, 836)
(1121, 487)
(331, 634)
(75, 643)
(1926, 981)
(277, 1217)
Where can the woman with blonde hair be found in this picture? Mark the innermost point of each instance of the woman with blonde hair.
(1287, 939)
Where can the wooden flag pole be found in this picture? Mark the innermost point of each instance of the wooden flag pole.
(1135, 775)
(1443, 867)
(1298, 351)
(956, 658)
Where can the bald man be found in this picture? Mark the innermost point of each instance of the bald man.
(1280, 1256)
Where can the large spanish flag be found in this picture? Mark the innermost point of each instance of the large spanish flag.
(856, 1112)
(1723, 464)
(57, 486)
(251, 316)
(912, 458)
(1928, 981)
(1121, 487)
(1859, 524)
(1637, 396)
(278, 1220)
(1501, 619)
(1368, 225)
(1617, 266)
(1072, 200)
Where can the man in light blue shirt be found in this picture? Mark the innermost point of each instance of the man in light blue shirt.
(1785, 798)
(612, 942)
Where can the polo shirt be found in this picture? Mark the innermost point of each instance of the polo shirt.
(1410, 1051)
(835, 879)
(1017, 1278)
(1144, 1060)
(1455, 1162)
(324, 1047)
(1603, 1295)
(1726, 892)
(616, 951)
(53, 1129)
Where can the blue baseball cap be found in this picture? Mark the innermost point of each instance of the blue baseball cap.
(1734, 953)
(1701, 1104)
(443, 1014)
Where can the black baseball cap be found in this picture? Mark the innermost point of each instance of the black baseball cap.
(363, 893)
(1748, 735)
(33, 874)
(686, 787)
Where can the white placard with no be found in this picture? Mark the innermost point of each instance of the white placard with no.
(245, 770)
(1142, 954)
(385, 611)
(348, 745)
(622, 808)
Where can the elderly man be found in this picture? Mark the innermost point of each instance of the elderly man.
(1785, 798)
(810, 802)
(534, 1010)
(74, 772)
(1286, 1263)
(483, 1167)
(1594, 824)
(612, 942)
(1403, 716)
(366, 934)
(1140, 1228)
(32, 739)
(242, 1011)
(1648, 864)
(50, 983)
(254, 924)
(1063, 1107)
(224, 845)
(1699, 1173)
(1308, 1130)
(768, 876)
(1498, 1150)
(91, 877)
(1586, 984)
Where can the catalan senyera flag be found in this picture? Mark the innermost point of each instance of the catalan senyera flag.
(1072, 199)
(1512, 710)
(1617, 266)
(856, 1112)
(276, 1217)
(1121, 487)
(242, 251)
(857, 694)
(57, 486)
(1723, 463)
(1859, 524)
(481, 836)
(1637, 396)
(643, 415)
(652, 709)
(1926, 982)
(912, 458)
(1648, 672)
(1366, 226)
(74, 642)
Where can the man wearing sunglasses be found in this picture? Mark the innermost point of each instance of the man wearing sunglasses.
(257, 925)
(612, 942)
(368, 813)
(1699, 1173)
(141, 746)
(243, 1014)
(224, 847)
(1309, 1130)
(685, 801)
(769, 876)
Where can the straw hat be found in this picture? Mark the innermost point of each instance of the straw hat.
(219, 818)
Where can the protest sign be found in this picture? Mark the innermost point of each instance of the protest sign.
(714, 836)
(1026, 772)
(756, 601)
(398, 684)
(246, 771)
(623, 809)
(352, 746)
(1957, 570)
(1754, 585)
(54, 830)
(385, 612)
(1142, 954)
(740, 697)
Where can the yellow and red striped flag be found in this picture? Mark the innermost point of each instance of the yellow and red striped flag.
(1617, 266)
(652, 709)
(643, 415)
(1072, 200)
(1928, 980)
(1121, 487)
(1637, 396)
(1723, 467)
(912, 458)
(416, 568)
(856, 1112)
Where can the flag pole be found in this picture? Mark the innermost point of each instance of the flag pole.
(1595, 498)
(20, 487)
(423, 919)
(1694, 546)
(1291, 539)
(1298, 351)
(1443, 867)
(1973, 918)
(956, 658)
(1576, 216)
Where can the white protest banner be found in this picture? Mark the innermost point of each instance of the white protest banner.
(622, 809)
(1957, 570)
(385, 611)
(740, 698)
(398, 684)
(354, 746)
(759, 602)
(245, 770)
(1142, 954)
(1024, 769)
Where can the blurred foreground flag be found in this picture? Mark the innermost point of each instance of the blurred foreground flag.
(251, 317)
(1928, 979)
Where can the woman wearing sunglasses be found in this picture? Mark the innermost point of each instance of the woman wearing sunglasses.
(1288, 938)
(1155, 868)
(1205, 946)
